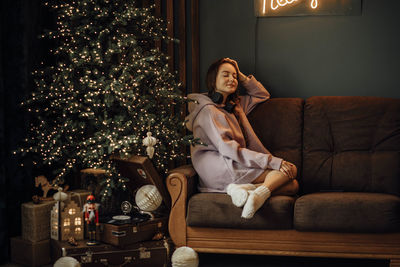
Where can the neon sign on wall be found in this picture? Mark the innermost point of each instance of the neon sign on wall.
(275, 4)
(271, 8)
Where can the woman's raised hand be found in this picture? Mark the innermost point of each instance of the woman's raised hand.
(241, 76)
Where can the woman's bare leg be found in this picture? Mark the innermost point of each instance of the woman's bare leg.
(289, 189)
(275, 179)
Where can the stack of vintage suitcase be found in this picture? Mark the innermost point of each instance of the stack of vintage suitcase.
(141, 240)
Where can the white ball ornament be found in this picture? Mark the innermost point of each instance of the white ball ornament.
(185, 257)
(148, 198)
(67, 262)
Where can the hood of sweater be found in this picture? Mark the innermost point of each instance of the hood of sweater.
(194, 108)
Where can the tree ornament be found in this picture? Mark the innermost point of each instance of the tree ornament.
(149, 142)
(148, 198)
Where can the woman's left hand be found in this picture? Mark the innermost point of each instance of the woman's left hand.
(289, 169)
(241, 76)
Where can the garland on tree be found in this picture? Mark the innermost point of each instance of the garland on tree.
(108, 88)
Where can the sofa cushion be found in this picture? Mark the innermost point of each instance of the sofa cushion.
(347, 212)
(217, 210)
(351, 144)
(278, 123)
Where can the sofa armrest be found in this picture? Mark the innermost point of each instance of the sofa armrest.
(181, 184)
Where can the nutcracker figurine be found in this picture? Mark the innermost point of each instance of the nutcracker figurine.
(91, 219)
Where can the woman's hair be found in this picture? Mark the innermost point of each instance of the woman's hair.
(211, 78)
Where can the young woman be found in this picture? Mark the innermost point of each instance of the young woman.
(234, 160)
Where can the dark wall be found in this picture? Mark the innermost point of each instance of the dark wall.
(21, 52)
(306, 56)
(227, 29)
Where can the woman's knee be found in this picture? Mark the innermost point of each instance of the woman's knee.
(294, 186)
(294, 170)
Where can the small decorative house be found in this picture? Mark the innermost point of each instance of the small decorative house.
(68, 223)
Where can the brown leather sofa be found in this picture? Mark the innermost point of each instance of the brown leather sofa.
(347, 150)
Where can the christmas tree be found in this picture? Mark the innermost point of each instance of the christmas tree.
(109, 86)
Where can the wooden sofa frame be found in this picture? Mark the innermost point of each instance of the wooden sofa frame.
(181, 184)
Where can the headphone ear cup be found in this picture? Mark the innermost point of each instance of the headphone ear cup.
(230, 106)
(217, 98)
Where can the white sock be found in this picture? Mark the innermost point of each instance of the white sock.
(238, 193)
(255, 200)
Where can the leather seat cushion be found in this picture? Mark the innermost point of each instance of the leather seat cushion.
(217, 210)
(347, 212)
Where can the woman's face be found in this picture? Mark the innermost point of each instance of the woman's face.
(226, 82)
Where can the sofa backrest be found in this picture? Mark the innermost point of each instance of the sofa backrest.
(278, 122)
(351, 144)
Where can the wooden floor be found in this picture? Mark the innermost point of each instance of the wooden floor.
(224, 260)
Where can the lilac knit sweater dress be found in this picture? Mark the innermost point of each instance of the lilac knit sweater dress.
(227, 158)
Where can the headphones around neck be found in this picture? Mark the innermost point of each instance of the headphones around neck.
(217, 98)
